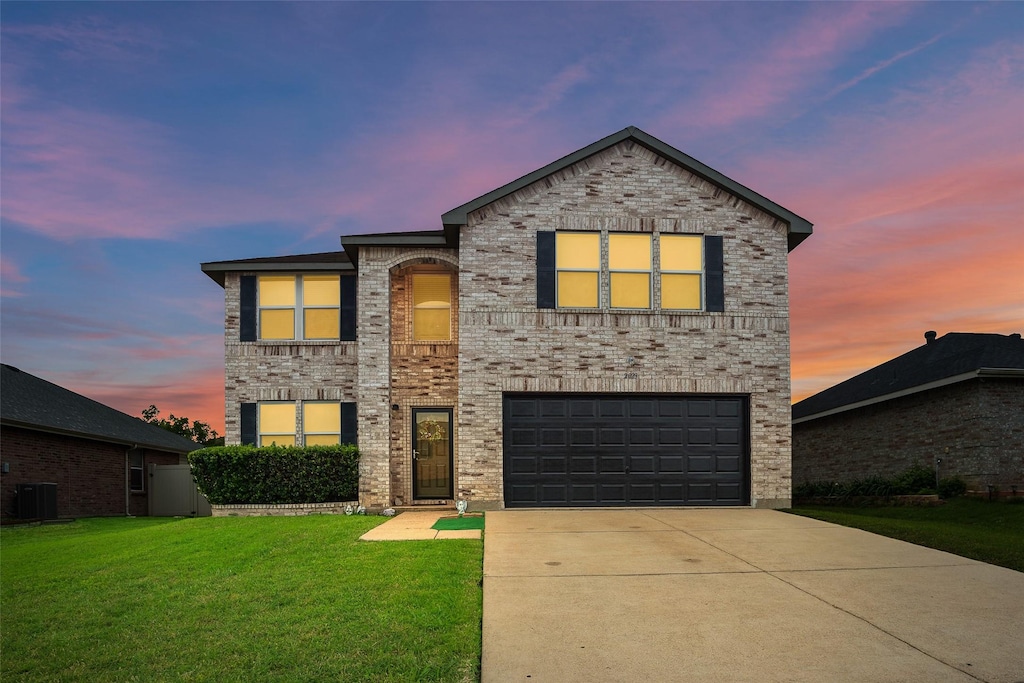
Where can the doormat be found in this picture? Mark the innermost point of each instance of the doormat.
(459, 523)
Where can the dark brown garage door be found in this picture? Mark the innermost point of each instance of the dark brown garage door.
(625, 450)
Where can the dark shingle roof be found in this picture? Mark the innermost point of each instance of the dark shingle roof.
(326, 260)
(799, 228)
(952, 356)
(33, 403)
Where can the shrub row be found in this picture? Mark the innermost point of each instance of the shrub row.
(244, 475)
(916, 480)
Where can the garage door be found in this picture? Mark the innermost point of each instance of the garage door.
(625, 450)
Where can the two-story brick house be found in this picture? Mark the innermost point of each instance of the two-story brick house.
(611, 329)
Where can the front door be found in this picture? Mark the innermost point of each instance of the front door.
(432, 449)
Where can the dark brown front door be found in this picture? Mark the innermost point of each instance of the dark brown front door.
(432, 449)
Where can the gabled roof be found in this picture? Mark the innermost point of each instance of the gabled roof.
(327, 260)
(954, 357)
(799, 228)
(33, 403)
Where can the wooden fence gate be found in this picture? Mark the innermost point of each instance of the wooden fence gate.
(173, 493)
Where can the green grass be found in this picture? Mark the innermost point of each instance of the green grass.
(459, 523)
(981, 530)
(236, 599)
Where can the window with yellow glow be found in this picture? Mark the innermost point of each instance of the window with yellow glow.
(682, 268)
(299, 307)
(578, 269)
(432, 306)
(321, 423)
(629, 268)
(277, 424)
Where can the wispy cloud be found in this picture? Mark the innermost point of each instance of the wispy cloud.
(884, 64)
(89, 38)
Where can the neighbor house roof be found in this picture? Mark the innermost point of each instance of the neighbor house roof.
(954, 357)
(326, 260)
(799, 228)
(30, 402)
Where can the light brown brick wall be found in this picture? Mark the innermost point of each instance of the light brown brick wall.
(272, 371)
(507, 344)
(423, 374)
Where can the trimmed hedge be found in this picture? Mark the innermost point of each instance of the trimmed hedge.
(916, 480)
(247, 475)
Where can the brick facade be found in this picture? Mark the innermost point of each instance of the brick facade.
(507, 344)
(502, 341)
(974, 427)
(91, 476)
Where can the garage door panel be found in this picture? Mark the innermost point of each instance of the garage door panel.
(601, 450)
(612, 437)
(698, 436)
(552, 437)
(670, 436)
(584, 464)
(642, 464)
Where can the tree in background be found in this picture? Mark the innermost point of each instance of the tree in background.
(197, 431)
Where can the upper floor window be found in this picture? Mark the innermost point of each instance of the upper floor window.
(629, 270)
(299, 307)
(682, 267)
(432, 306)
(578, 269)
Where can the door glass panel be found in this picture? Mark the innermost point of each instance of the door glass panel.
(432, 453)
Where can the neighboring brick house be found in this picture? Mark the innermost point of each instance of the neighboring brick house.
(611, 329)
(97, 456)
(957, 403)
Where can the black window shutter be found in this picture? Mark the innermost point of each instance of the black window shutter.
(248, 416)
(348, 308)
(545, 269)
(714, 272)
(349, 423)
(247, 308)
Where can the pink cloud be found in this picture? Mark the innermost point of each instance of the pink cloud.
(10, 277)
(917, 227)
(194, 393)
(788, 65)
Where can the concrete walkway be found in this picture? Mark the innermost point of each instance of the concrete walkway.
(415, 526)
(736, 595)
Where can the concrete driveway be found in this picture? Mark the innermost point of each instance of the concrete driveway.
(736, 595)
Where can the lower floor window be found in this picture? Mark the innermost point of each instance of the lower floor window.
(136, 470)
(277, 424)
(321, 423)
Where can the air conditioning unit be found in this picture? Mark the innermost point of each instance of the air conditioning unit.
(37, 501)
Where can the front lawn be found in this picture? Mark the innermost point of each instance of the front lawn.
(992, 532)
(236, 599)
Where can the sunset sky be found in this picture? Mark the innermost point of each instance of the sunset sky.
(140, 139)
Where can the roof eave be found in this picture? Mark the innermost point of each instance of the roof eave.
(216, 270)
(799, 228)
(95, 437)
(1008, 373)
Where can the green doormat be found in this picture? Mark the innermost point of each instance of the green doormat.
(458, 523)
